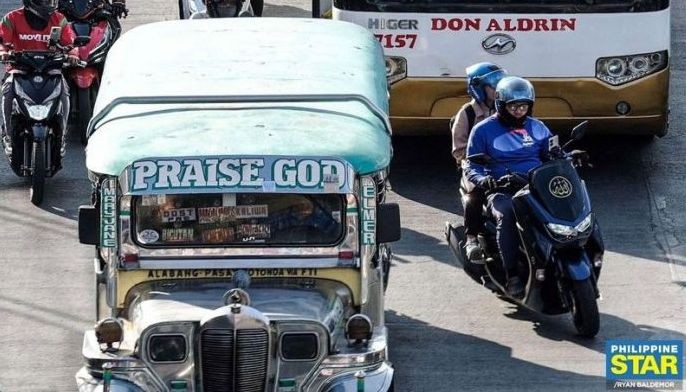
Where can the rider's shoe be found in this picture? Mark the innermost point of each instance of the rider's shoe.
(6, 142)
(515, 287)
(474, 252)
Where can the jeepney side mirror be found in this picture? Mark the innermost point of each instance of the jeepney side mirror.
(387, 223)
(88, 225)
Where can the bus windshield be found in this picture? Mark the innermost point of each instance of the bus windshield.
(504, 6)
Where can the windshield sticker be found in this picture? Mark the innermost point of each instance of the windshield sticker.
(209, 215)
(336, 215)
(153, 200)
(229, 199)
(178, 215)
(148, 236)
(251, 232)
(218, 236)
(245, 174)
(178, 235)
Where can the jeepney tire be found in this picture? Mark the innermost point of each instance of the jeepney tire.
(257, 7)
(38, 175)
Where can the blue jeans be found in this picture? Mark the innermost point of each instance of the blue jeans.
(500, 205)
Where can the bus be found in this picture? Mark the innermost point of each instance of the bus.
(606, 61)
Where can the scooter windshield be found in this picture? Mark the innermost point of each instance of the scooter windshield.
(557, 186)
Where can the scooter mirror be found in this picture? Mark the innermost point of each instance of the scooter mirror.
(579, 130)
(82, 40)
(480, 159)
(55, 34)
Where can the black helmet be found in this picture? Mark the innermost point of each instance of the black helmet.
(513, 89)
(41, 8)
(222, 8)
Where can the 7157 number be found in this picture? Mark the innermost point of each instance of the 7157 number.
(397, 41)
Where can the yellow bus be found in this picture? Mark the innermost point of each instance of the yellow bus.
(606, 61)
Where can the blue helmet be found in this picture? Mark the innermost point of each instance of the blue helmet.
(481, 75)
(513, 89)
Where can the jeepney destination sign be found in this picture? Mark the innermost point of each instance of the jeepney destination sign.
(238, 174)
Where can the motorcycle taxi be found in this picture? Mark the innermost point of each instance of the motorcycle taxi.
(239, 222)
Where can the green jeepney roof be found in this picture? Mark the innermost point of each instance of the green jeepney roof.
(242, 86)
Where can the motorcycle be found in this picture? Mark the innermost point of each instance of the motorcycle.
(197, 9)
(561, 246)
(35, 149)
(99, 21)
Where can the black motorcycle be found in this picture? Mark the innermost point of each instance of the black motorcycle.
(561, 246)
(35, 148)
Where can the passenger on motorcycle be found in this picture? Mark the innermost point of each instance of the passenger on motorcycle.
(28, 28)
(516, 142)
(482, 79)
(231, 8)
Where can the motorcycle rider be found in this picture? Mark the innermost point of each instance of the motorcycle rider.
(516, 142)
(482, 79)
(28, 28)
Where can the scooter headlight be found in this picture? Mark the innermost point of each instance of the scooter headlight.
(39, 112)
(569, 231)
(585, 224)
(562, 230)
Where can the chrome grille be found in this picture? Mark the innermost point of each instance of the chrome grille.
(250, 348)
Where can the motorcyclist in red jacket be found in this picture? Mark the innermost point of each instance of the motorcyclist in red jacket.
(28, 28)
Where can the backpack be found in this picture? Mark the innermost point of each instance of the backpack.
(471, 116)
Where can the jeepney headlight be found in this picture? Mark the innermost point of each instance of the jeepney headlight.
(623, 69)
(299, 346)
(396, 69)
(358, 328)
(167, 348)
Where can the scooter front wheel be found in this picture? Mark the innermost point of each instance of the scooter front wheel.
(585, 308)
(38, 175)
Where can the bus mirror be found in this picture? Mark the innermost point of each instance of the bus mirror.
(88, 225)
(387, 223)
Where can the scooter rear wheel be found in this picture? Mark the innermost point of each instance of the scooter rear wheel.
(585, 308)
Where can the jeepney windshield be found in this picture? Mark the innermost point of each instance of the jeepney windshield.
(234, 219)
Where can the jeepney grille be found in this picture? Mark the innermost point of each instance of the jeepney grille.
(234, 363)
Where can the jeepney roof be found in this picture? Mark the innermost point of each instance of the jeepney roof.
(259, 86)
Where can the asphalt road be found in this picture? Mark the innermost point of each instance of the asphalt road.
(446, 332)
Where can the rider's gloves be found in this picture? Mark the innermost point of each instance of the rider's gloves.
(119, 8)
(580, 158)
(72, 60)
(488, 183)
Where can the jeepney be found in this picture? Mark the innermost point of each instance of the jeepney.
(238, 210)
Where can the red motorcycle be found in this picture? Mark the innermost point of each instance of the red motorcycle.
(98, 20)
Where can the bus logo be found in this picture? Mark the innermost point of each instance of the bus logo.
(499, 44)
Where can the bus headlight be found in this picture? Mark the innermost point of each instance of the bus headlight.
(396, 69)
(623, 69)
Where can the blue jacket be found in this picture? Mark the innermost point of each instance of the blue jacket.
(518, 150)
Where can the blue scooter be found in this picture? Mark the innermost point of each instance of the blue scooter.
(561, 246)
